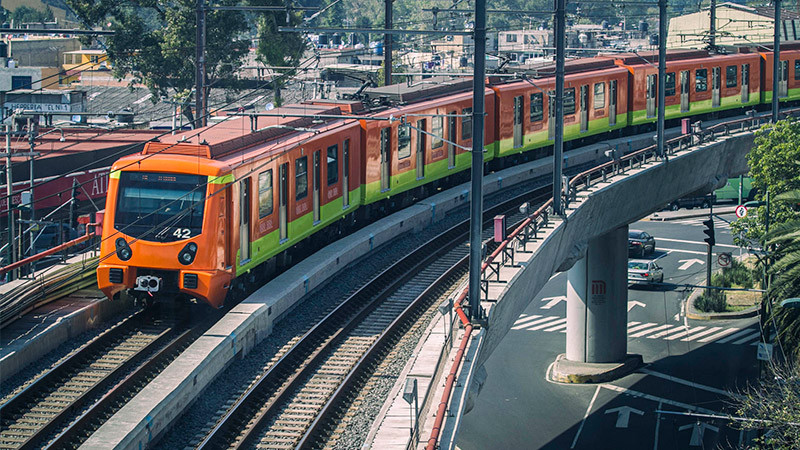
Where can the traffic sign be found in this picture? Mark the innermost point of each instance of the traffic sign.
(741, 211)
(723, 259)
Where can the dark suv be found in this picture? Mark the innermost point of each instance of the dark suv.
(640, 243)
(693, 202)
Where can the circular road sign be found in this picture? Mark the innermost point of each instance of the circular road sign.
(741, 211)
(724, 259)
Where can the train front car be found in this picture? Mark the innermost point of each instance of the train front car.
(165, 230)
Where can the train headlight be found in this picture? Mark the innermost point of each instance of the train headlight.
(186, 256)
(124, 251)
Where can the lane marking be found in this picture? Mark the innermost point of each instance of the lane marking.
(678, 329)
(527, 319)
(708, 331)
(640, 327)
(630, 324)
(615, 388)
(687, 382)
(539, 327)
(585, 416)
(755, 334)
(557, 327)
(685, 335)
(714, 337)
(658, 425)
(694, 242)
(692, 252)
(542, 320)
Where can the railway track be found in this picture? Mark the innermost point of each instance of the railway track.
(58, 408)
(297, 400)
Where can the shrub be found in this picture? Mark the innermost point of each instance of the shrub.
(712, 301)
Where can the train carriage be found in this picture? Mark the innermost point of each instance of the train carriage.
(789, 72)
(595, 101)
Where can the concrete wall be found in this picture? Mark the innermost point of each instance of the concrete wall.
(636, 195)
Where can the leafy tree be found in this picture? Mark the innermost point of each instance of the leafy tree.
(772, 405)
(26, 14)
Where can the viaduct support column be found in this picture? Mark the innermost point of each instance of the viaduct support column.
(597, 314)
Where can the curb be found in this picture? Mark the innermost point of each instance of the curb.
(693, 313)
(584, 373)
(691, 215)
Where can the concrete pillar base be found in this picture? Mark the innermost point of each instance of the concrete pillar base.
(566, 371)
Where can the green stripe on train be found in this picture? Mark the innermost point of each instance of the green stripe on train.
(698, 107)
(540, 139)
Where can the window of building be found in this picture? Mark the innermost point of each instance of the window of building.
(511, 37)
(21, 82)
(701, 80)
(731, 75)
(264, 194)
(466, 123)
(333, 164)
(569, 101)
(437, 131)
(537, 107)
(669, 84)
(599, 95)
(403, 141)
(301, 177)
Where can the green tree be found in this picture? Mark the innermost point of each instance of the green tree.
(771, 406)
(26, 14)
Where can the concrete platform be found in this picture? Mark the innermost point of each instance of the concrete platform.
(566, 371)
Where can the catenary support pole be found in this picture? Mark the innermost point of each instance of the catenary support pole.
(709, 248)
(387, 43)
(476, 199)
(662, 73)
(200, 61)
(12, 242)
(558, 144)
(776, 60)
(712, 32)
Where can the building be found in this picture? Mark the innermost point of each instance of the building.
(60, 102)
(78, 62)
(735, 25)
(520, 45)
(40, 51)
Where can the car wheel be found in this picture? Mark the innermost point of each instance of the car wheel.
(674, 207)
(661, 280)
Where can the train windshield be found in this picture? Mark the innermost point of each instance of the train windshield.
(161, 207)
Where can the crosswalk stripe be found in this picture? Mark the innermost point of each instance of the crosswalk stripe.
(698, 335)
(521, 320)
(557, 327)
(721, 334)
(658, 328)
(630, 324)
(667, 332)
(637, 328)
(539, 327)
(542, 320)
(755, 334)
(684, 333)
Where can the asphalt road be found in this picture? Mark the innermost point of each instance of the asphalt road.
(691, 368)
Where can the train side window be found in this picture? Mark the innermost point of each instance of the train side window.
(797, 69)
(265, 194)
(403, 141)
(701, 80)
(537, 107)
(301, 177)
(599, 95)
(333, 164)
(437, 131)
(466, 124)
(569, 101)
(731, 75)
(669, 84)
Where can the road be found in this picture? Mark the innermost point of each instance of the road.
(690, 367)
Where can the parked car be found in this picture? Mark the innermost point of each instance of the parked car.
(640, 243)
(693, 202)
(644, 271)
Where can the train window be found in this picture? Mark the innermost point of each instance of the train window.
(669, 84)
(466, 123)
(701, 80)
(333, 164)
(797, 69)
(537, 107)
(437, 131)
(569, 101)
(403, 141)
(731, 75)
(264, 194)
(599, 95)
(301, 177)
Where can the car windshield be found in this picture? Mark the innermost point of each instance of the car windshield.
(161, 207)
(637, 265)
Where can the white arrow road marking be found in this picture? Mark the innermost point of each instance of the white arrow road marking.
(689, 263)
(633, 303)
(698, 429)
(552, 301)
(624, 415)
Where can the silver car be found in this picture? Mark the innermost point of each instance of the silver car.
(644, 271)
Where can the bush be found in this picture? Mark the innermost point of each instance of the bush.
(712, 301)
(737, 274)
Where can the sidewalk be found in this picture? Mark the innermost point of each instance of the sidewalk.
(689, 213)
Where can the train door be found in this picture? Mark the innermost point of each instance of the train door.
(715, 82)
(584, 108)
(518, 122)
(244, 220)
(346, 173)
(422, 125)
(783, 81)
(551, 115)
(651, 95)
(451, 136)
(315, 197)
(283, 195)
(684, 91)
(386, 154)
(612, 102)
(745, 83)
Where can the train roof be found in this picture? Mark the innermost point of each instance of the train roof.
(651, 57)
(578, 65)
(427, 89)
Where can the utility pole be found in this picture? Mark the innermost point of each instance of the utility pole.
(662, 74)
(476, 201)
(387, 43)
(200, 61)
(712, 32)
(12, 242)
(558, 144)
(776, 60)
